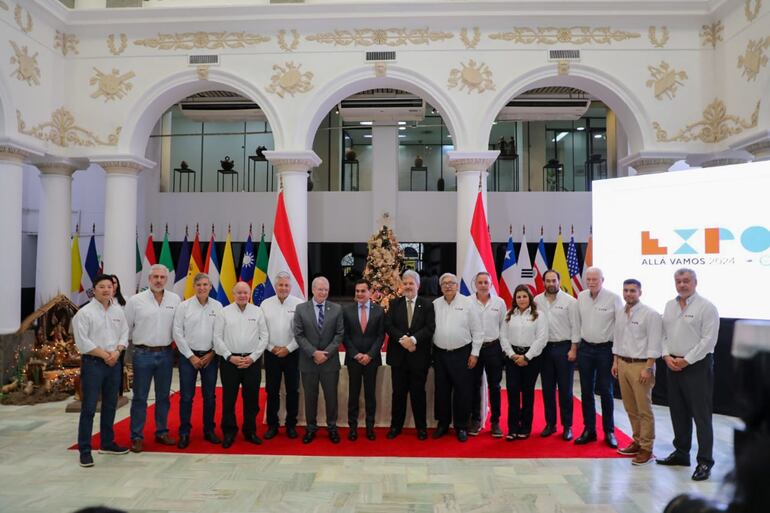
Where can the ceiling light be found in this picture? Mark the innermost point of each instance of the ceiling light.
(402, 128)
(402, 136)
(402, 123)
(367, 136)
(598, 136)
(449, 135)
(580, 128)
(561, 136)
(366, 123)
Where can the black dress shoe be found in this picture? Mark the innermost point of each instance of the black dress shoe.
(370, 435)
(422, 434)
(212, 438)
(548, 431)
(308, 437)
(674, 459)
(567, 434)
(271, 432)
(334, 436)
(291, 432)
(184, 441)
(439, 432)
(702, 472)
(228, 442)
(392, 433)
(352, 434)
(587, 436)
(610, 440)
(253, 438)
(462, 435)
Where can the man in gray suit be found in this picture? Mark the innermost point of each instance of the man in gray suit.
(318, 329)
(364, 335)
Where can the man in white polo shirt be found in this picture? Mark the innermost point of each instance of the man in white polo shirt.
(150, 316)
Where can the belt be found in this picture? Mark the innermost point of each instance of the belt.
(451, 350)
(201, 353)
(559, 342)
(600, 344)
(487, 344)
(90, 357)
(632, 360)
(152, 349)
(520, 349)
(242, 355)
(675, 356)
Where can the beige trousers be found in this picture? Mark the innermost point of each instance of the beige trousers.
(637, 399)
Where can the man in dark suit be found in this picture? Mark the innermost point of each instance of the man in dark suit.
(409, 323)
(364, 335)
(318, 329)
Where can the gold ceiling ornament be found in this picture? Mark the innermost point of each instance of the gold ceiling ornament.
(17, 15)
(711, 34)
(665, 80)
(203, 72)
(752, 12)
(113, 86)
(199, 40)
(382, 37)
(577, 35)
(716, 125)
(117, 49)
(562, 67)
(289, 79)
(754, 57)
(284, 45)
(473, 76)
(470, 42)
(67, 43)
(63, 131)
(652, 34)
(27, 69)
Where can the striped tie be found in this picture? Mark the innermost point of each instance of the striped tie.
(320, 317)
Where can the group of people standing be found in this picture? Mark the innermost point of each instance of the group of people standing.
(462, 337)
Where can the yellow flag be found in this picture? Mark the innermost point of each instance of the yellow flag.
(560, 265)
(77, 271)
(227, 274)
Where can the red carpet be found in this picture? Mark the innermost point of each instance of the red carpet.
(406, 445)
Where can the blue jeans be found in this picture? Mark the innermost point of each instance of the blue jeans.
(149, 365)
(97, 379)
(595, 365)
(188, 376)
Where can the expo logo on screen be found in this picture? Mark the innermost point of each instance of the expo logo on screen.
(705, 241)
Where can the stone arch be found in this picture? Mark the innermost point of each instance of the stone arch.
(610, 90)
(361, 79)
(149, 107)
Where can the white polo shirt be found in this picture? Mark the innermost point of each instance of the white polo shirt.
(639, 333)
(280, 321)
(692, 332)
(240, 331)
(562, 316)
(151, 324)
(194, 325)
(95, 326)
(597, 315)
(523, 331)
(457, 324)
(492, 316)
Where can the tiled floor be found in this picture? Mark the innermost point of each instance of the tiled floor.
(38, 474)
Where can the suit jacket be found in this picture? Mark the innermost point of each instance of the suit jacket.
(369, 342)
(311, 340)
(422, 328)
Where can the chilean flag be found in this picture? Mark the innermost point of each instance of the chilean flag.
(508, 276)
(541, 266)
(283, 254)
(479, 256)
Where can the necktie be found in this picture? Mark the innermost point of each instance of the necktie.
(320, 317)
(363, 318)
(409, 312)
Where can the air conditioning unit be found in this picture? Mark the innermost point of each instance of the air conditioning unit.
(544, 109)
(383, 107)
(212, 109)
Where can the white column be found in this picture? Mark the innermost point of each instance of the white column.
(471, 168)
(12, 158)
(120, 206)
(292, 170)
(54, 268)
(384, 174)
(647, 163)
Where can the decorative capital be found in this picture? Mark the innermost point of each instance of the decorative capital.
(122, 164)
(293, 161)
(12, 151)
(61, 167)
(757, 144)
(475, 161)
(646, 163)
(721, 158)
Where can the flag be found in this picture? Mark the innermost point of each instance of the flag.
(226, 275)
(182, 268)
(148, 261)
(508, 276)
(574, 267)
(526, 274)
(91, 267)
(283, 254)
(541, 266)
(165, 259)
(479, 257)
(560, 266)
(260, 273)
(247, 263)
(588, 261)
(211, 267)
(138, 265)
(77, 293)
(196, 266)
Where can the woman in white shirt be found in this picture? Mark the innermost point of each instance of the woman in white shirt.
(523, 336)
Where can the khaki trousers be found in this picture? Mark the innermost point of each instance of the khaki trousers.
(637, 399)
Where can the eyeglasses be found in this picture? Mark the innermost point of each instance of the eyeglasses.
(449, 284)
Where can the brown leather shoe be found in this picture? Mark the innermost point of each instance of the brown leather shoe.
(137, 445)
(643, 457)
(631, 449)
(165, 439)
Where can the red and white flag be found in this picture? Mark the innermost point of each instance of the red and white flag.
(283, 254)
(541, 266)
(588, 261)
(147, 261)
(479, 257)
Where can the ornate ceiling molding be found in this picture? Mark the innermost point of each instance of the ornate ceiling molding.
(665, 80)
(288, 79)
(751, 9)
(473, 76)
(24, 24)
(67, 43)
(117, 49)
(202, 40)
(470, 42)
(27, 69)
(715, 126)
(576, 35)
(63, 131)
(284, 45)
(710, 35)
(754, 58)
(381, 37)
(113, 86)
(658, 42)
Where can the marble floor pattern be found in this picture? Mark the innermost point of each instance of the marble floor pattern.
(39, 475)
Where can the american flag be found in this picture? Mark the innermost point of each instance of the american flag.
(574, 267)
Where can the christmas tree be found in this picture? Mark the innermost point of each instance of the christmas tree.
(384, 264)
